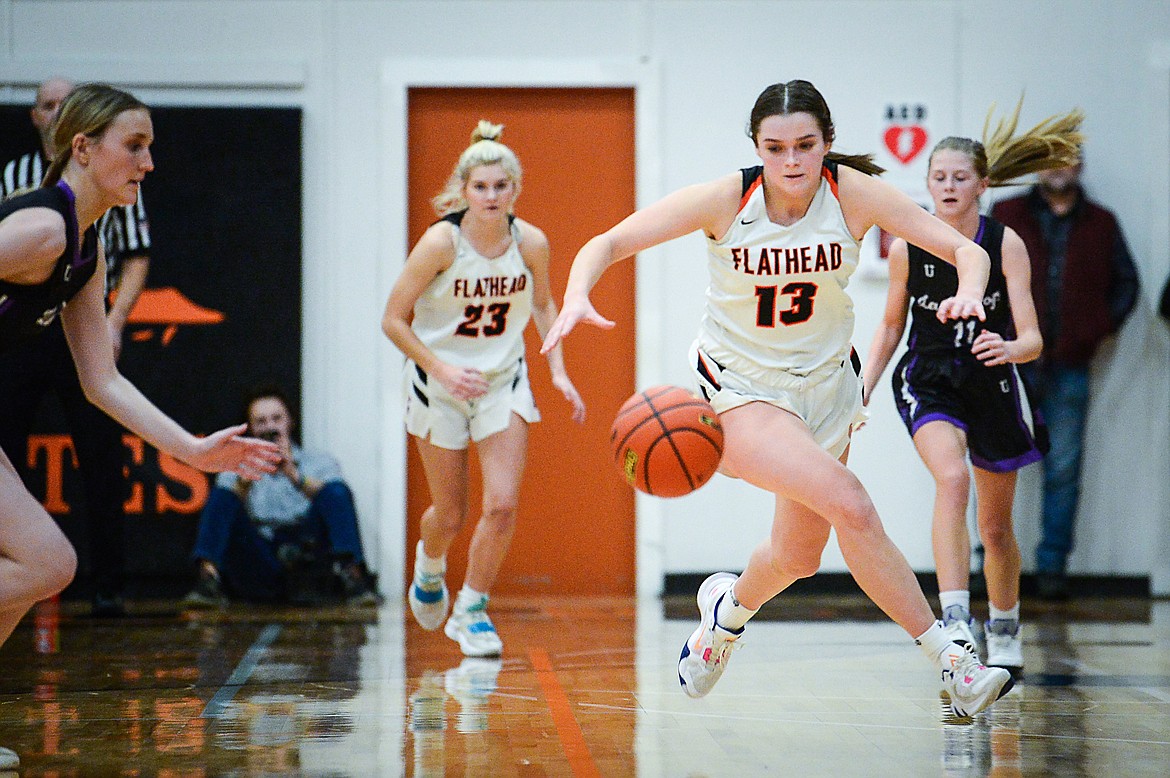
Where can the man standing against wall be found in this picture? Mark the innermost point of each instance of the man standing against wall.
(1084, 285)
(28, 373)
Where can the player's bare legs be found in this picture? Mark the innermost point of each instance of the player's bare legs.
(1001, 567)
(502, 457)
(36, 559)
(802, 472)
(943, 448)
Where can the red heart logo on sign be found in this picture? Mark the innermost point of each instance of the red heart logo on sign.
(905, 143)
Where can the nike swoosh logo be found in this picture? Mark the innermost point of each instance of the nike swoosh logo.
(745, 222)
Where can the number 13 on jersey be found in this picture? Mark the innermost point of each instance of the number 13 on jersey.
(799, 295)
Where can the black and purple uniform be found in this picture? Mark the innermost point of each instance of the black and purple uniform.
(28, 309)
(939, 379)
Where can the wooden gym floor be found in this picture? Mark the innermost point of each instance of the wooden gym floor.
(586, 687)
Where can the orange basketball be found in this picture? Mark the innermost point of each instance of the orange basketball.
(666, 441)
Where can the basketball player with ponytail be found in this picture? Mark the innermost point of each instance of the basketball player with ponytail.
(49, 257)
(773, 358)
(957, 387)
(458, 312)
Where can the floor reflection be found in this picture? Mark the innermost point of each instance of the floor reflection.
(585, 687)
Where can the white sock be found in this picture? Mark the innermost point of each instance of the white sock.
(729, 614)
(956, 598)
(468, 597)
(1012, 614)
(428, 565)
(938, 648)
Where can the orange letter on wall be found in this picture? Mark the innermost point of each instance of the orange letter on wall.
(55, 448)
(133, 504)
(186, 475)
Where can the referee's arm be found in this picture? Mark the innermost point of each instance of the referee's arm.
(130, 285)
(127, 239)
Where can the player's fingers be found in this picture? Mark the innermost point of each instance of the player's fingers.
(597, 320)
(556, 334)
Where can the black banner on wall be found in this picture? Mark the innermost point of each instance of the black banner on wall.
(221, 312)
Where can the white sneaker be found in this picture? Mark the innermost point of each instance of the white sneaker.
(705, 655)
(971, 686)
(429, 599)
(474, 631)
(1004, 646)
(9, 760)
(959, 632)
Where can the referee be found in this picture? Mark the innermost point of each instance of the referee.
(30, 371)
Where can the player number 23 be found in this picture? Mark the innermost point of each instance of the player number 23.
(799, 310)
(497, 320)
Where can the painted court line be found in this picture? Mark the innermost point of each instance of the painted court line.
(218, 703)
(568, 730)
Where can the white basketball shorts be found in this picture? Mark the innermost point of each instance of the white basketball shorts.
(828, 400)
(435, 416)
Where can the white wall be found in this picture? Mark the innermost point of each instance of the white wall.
(709, 60)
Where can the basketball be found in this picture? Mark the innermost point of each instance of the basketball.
(666, 441)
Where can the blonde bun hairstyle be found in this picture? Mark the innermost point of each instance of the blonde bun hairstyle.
(485, 149)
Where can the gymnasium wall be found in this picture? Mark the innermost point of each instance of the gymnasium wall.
(698, 66)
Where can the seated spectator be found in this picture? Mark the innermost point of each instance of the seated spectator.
(252, 532)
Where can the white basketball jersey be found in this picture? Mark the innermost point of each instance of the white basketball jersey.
(777, 297)
(474, 313)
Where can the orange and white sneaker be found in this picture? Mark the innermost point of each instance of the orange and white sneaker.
(971, 686)
(705, 655)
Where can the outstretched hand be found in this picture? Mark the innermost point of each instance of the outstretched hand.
(571, 314)
(229, 451)
(961, 307)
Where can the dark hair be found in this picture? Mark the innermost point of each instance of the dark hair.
(800, 96)
(263, 392)
(88, 109)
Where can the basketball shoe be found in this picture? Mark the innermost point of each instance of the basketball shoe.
(705, 655)
(429, 599)
(957, 623)
(474, 631)
(971, 686)
(1004, 646)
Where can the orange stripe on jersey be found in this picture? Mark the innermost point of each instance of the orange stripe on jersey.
(828, 176)
(747, 195)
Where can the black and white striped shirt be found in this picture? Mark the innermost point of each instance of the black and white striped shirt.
(124, 229)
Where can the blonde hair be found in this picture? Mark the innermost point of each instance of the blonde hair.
(89, 110)
(1004, 156)
(485, 149)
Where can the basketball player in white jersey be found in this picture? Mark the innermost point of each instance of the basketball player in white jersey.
(774, 360)
(458, 312)
(957, 387)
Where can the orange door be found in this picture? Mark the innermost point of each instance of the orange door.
(575, 532)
